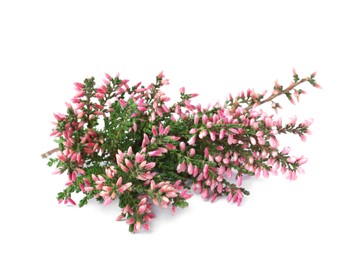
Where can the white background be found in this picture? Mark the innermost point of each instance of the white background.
(210, 47)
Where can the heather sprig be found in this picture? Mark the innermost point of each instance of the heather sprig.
(121, 141)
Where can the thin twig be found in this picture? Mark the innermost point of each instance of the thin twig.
(46, 154)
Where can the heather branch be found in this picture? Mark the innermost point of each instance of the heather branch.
(273, 96)
(147, 152)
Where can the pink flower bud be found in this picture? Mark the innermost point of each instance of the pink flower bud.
(206, 152)
(302, 160)
(124, 168)
(285, 150)
(71, 201)
(252, 140)
(192, 140)
(204, 119)
(239, 180)
(182, 146)
(291, 159)
(108, 201)
(196, 119)
(203, 134)
(150, 166)
(142, 208)
(205, 194)
(193, 131)
(190, 169)
(155, 153)
(303, 138)
(130, 221)
(128, 163)
(229, 197)
(120, 217)
(293, 120)
(308, 122)
(214, 197)
(165, 82)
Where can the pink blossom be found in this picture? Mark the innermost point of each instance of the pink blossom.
(193, 131)
(303, 138)
(182, 146)
(239, 180)
(192, 140)
(190, 169)
(155, 153)
(221, 134)
(308, 122)
(123, 167)
(206, 152)
(205, 194)
(150, 166)
(252, 140)
(124, 187)
(293, 120)
(196, 119)
(302, 160)
(165, 82)
(119, 182)
(71, 201)
(204, 119)
(108, 201)
(203, 134)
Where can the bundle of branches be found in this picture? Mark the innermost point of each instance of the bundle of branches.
(124, 142)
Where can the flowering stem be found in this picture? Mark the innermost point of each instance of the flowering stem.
(273, 96)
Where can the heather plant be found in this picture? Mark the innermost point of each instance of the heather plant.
(121, 142)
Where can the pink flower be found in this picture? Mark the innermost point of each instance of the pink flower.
(308, 122)
(108, 201)
(221, 134)
(302, 160)
(285, 150)
(192, 140)
(252, 140)
(123, 167)
(150, 166)
(204, 119)
(205, 194)
(71, 201)
(193, 131)
(161, 75)
(124, 187)
(142, 208)
(165, 82)
(206, 152)
(155, 153)
(293, 120)
(203, 134)
(182, 146)
(239, 180)
(303, 138)
(196, 119)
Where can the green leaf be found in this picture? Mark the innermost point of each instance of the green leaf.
(131, 228)
(181, 203)
(83, 202)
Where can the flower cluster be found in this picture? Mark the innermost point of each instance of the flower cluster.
(121, 141)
